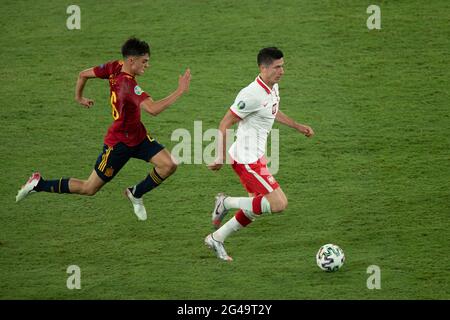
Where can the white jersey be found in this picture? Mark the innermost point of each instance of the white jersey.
(257, 107)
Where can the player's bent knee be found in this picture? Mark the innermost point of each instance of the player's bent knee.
(173, 167)
(279, 206)
(89, 191)
(167, 169)
(170, 168)
(285, 203)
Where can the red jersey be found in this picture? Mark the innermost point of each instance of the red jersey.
(125, 96)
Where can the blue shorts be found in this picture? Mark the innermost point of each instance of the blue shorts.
(112, 159)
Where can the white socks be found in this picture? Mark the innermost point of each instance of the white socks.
(246, 203)
(228, 228)
(265, 206)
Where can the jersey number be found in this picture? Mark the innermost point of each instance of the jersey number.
(115, 113)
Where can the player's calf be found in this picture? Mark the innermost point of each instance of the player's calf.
(278, 206)
(88, 191)
(85, 187)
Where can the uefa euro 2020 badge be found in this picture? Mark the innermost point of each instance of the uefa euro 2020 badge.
(138, 90)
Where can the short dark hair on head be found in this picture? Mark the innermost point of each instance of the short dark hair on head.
(267, 55)
(135, 47)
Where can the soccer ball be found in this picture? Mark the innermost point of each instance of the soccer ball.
(330, 257)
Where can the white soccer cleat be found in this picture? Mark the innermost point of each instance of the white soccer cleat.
(29, 186)
(138, 205)
(218, 248)
(219, 211)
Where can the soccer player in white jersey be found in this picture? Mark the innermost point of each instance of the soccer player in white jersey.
(255, 109)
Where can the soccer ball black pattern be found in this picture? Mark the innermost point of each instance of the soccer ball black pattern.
(330, 257)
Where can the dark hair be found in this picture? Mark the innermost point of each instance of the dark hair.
(135, 47)
(267, 55)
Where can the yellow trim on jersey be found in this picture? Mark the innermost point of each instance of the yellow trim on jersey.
(105, 156)
(59, 186)
(150, 138)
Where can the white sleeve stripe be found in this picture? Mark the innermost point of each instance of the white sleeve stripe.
(259, 178)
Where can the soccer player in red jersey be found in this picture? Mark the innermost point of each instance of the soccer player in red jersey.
(126, 137)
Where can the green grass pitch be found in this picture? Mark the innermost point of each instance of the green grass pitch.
(375, 179)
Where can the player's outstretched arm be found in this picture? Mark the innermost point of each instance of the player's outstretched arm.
(302, 128)
(156, 107)
(227, 121)
(81, 82)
